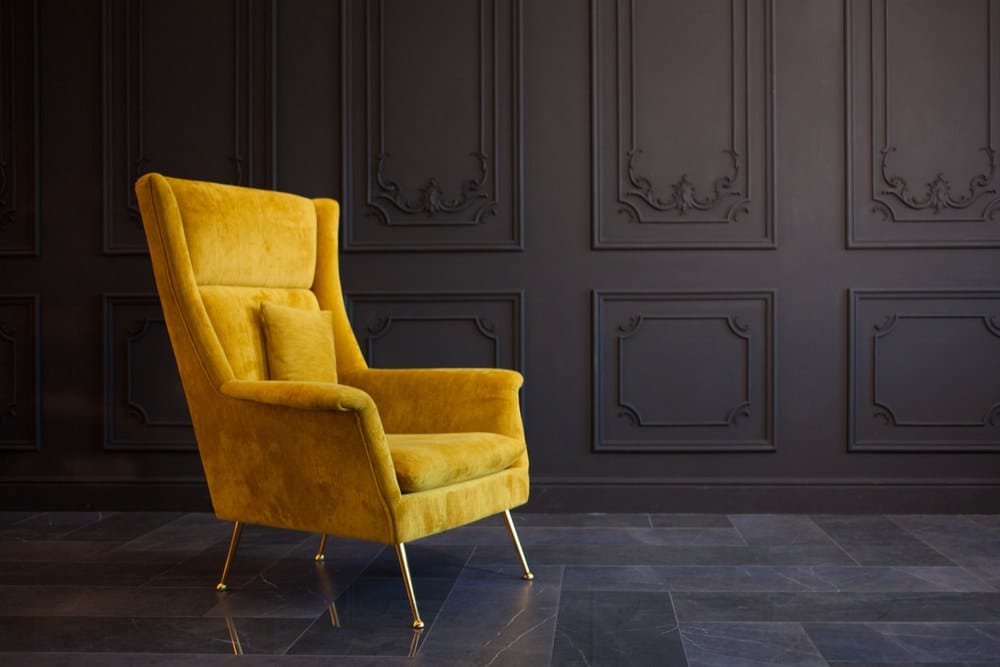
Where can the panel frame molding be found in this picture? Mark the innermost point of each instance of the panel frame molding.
(486, 328)
(33, 303)
(600, 444)
(432, 198)
(11, 167)
(888, 189)
(684, 195)
(880, 409)
(123, 105)
(111, 441)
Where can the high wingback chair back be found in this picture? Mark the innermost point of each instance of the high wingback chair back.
(383, 455)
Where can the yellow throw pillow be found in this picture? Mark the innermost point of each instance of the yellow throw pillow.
(299, 343)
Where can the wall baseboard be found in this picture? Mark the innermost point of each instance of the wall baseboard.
(570, 495)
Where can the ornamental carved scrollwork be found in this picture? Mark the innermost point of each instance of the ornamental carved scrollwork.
(683, 193)
(937, 193)
(432, 198)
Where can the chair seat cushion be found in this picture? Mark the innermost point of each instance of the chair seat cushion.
(425, 461)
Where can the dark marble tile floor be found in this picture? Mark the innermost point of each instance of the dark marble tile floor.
(92, 588)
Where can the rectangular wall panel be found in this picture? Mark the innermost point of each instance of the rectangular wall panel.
(923, 169)
(19, 207)
(924, 369)
(683, 371)
(20, 377)
(439, 330)
(683, 154)
(436, 137)
(144, 404)
(196, 107)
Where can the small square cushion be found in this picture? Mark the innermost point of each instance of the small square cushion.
(299, 343)
(425, 461)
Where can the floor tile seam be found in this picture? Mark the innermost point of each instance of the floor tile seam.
(917, 536)
(558, 607)
(677, 624)
(27, 518)
(428, 631)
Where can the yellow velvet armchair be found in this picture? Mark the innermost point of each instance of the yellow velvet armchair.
(293, 429)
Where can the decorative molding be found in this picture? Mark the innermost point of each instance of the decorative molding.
(20, 398)
(881, 202)
(888, 428)
(497, 317)
(748, 425)
(131, 422)
(426, 216)
(679, 213)
(126, 156)
(19, 122)
(737, 325)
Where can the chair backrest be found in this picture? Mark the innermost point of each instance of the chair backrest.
(218, 251)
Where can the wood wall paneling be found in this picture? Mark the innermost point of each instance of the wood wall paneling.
(923, 170)
(20, 373)
(144, 404)
(189, 92)
(436, 137)
(432, 330)
(683, 153)
(924, 369)
(19, 187)
(677, 371)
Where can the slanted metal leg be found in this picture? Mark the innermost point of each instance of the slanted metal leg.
(233, 543)
(322, 545)
(404, 566)
(517, 545)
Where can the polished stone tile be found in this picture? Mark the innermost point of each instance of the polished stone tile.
(592, 520)
(105, 601)
(60, 551)
(616, 628)
(738, 644)
(115, 659)
(11, 518)
(852, 607)
(767, 529)
(43, 573)
(770, 578)
(624, 537)
(875, 540)
(123, 526)
(690, 521)
(807, 554)
(972, 544)
(493, 617)
(50, 525)
(149, 635)
(907, 642)
(204, 568)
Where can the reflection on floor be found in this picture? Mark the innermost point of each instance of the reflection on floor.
(613, 589)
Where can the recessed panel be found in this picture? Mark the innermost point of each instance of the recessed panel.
(473, 330)
(925, 369)
(682, 145)
(179, 81)
(437, 146)
(19, 373)
(19, 232)
(923, 170)
(145, 408)
(683, 371)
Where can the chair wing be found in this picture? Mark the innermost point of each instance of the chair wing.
(382, 455)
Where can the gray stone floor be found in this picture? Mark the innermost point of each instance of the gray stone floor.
(610, 589)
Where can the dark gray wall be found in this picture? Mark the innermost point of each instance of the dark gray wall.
(745, 252)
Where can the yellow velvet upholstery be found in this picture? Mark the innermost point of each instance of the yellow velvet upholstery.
(313, 455)
(299, 343)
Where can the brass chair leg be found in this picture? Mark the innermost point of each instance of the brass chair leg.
(528, 576)
(404, 566)
(322, 545)
(233, 543)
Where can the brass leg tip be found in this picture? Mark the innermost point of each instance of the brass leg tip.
(418, 624)
(221, 587)
(527, 576)
(319, 557)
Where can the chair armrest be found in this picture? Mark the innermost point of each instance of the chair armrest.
(444, 400)
(307, 455)
(303, 395)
